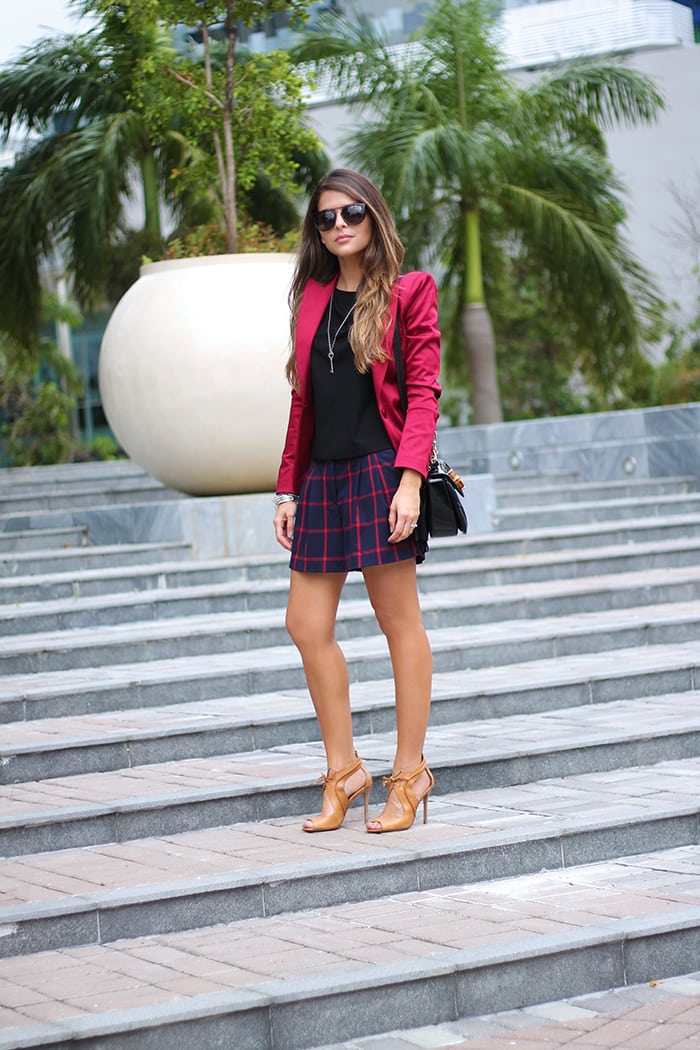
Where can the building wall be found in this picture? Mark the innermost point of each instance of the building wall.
(652, 161)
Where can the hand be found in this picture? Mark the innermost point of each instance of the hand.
(405, 507)
(284, 523)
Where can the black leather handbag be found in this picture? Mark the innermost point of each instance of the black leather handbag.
(442, 510)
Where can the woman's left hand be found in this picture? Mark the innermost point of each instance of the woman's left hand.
(405, 507)
(284, 523)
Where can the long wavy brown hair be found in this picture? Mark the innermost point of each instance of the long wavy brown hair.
(381, 264)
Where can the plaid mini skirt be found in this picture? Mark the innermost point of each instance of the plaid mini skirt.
(342, 519)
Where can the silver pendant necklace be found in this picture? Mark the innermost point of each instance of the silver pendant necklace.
(331, 343)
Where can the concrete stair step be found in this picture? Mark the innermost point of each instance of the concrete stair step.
(67, 483)
(43, 563)
(160, 603)
(271, 574)
(104, 471)
(576, 536)
(84, 494)
(531, 517)
(485, 603)
(159, 885)
(448, 618)
(79, 690)
(43, 539)
(577, 491)
(119, 739)
(407, 959)
(527, 479)
(171, 797)
(94, 742)
(664, 1013)
(159, 575)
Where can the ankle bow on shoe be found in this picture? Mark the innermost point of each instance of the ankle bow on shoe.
(401, 784)
(334, 792)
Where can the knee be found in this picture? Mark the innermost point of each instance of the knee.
(392, 622)
(384, 622)
(296, 628)
(400, 624)
(307, 633)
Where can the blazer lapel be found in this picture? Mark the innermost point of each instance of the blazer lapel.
(313, 304)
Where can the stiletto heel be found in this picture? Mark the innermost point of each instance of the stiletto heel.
(334, 790)
(402, 785)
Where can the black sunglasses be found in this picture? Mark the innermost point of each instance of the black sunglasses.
(351, 214)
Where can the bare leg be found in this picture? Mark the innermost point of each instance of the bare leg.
(394, 596)
(311, 613)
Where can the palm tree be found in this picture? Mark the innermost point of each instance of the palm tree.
(477, 168)
(88, 143)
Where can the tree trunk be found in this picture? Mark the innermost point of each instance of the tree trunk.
(229, 192)
(479, 342)
(481, 360)
(151, 200)
(225, 156)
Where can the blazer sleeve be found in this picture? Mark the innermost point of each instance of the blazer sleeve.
(420, 344)
(297, 448)
(300, 426)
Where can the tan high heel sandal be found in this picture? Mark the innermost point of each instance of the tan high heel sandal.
(402, 785)
(334, 790)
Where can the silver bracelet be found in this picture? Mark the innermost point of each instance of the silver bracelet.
(284, 497)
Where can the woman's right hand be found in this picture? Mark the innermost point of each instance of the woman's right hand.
(284, 523)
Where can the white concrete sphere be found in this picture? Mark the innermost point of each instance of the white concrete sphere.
(191, 371)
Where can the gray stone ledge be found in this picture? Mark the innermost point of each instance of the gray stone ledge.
(444, 988)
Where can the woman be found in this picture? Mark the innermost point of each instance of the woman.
(349, 482)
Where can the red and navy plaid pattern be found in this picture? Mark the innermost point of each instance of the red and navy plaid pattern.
(342, 519)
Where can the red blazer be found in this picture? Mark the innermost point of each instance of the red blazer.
(411, 436)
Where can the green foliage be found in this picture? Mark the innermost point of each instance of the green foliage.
(547, 365)
(211, 240)
(102, 447)
(454, 405)
(38, 391)
(40, 433)
(267, 121)
(237, 115)
(677, 379)
(127, 252)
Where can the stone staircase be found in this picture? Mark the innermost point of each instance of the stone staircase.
(158, 752)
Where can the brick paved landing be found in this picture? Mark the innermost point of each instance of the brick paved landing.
(659, 1015)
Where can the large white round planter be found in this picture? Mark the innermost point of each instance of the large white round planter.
(191, 371)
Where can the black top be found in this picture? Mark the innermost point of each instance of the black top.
(346, 416)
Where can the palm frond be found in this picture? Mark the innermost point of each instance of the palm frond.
(64, 194)
(55, 81)
(586, 261)
(350, 59)
(607, 92)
